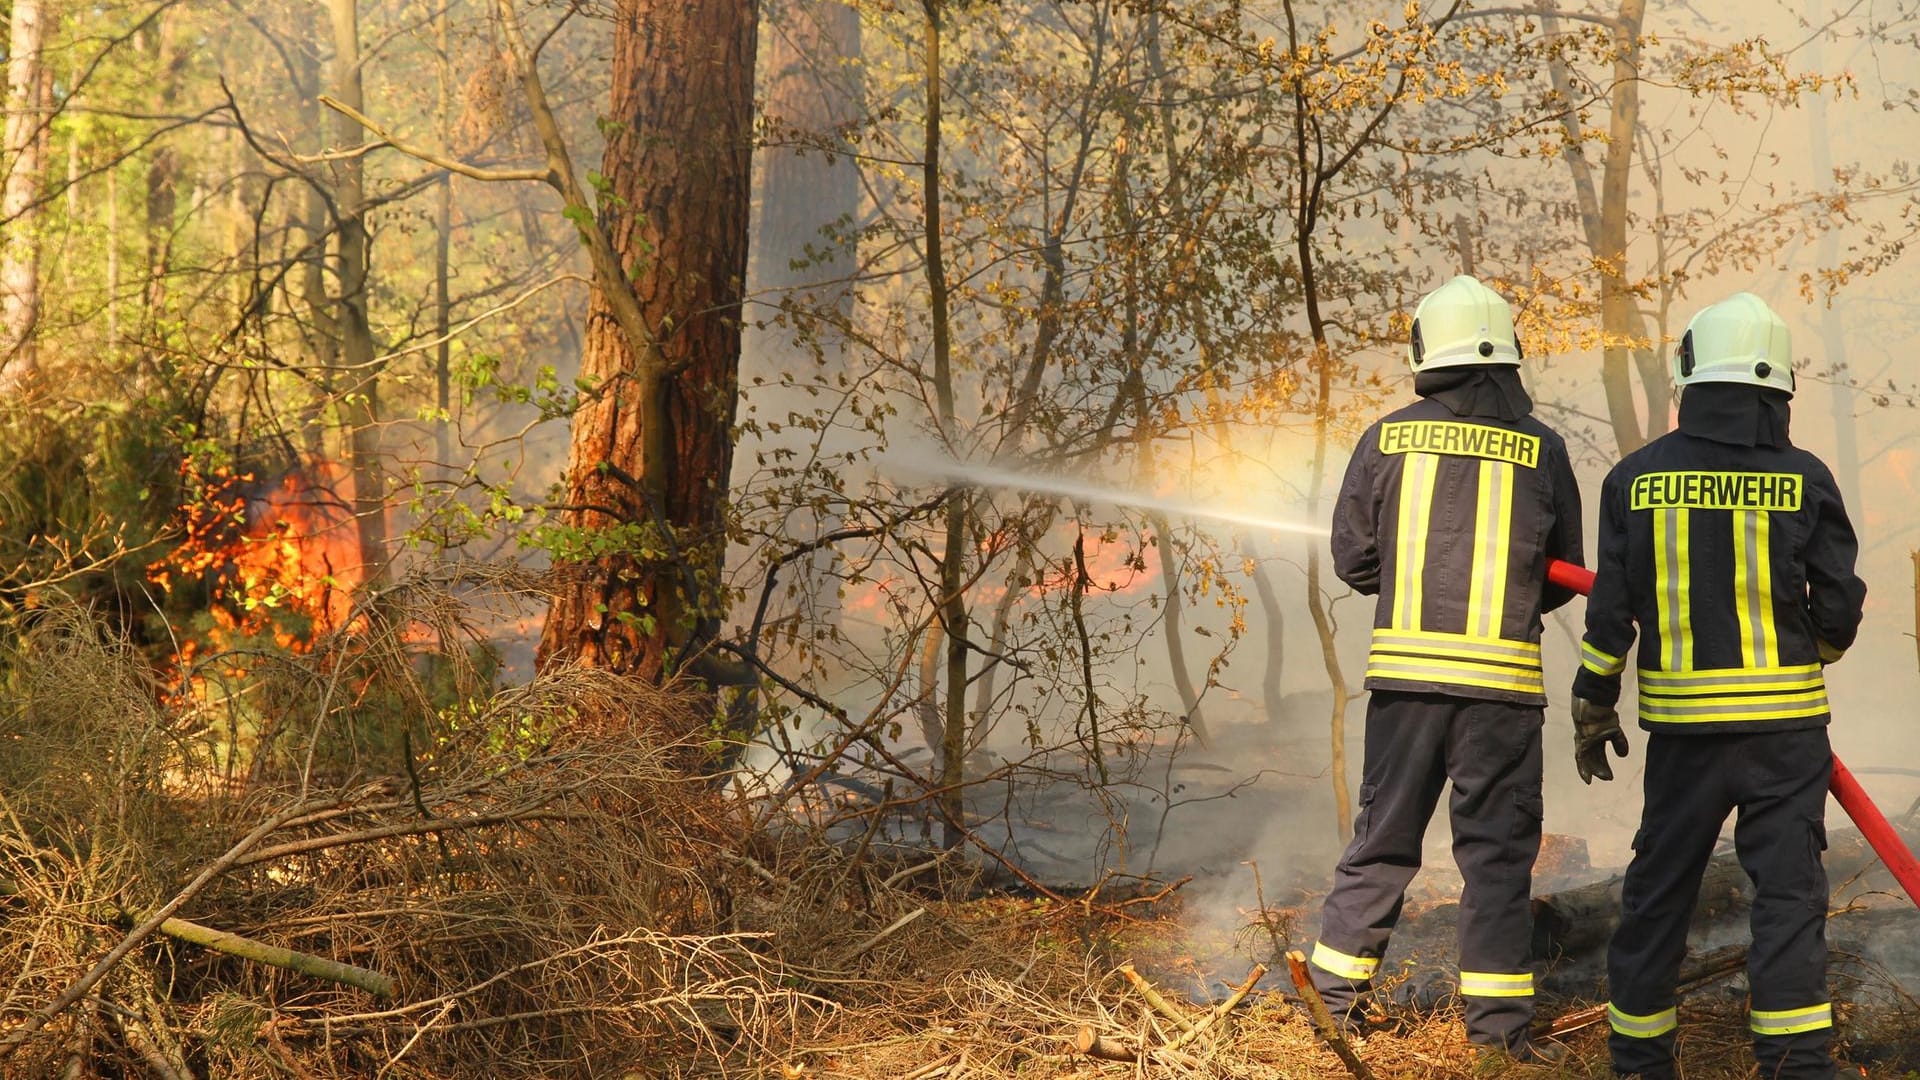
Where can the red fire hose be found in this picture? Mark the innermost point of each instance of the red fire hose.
(1846, 789)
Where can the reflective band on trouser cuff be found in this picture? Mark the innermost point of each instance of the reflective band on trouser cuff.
(1642, 1027)
(1791, 1021)
(1357, 968)
(1493, 984)
(1600, 663)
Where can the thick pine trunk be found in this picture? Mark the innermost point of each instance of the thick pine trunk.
(653, 446)
(25, 162)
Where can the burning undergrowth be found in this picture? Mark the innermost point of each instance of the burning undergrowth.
(431, 877)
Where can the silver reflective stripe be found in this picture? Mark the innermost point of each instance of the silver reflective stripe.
(1498, 648)
(1676, 571)
(1496, 984)
(1347, 966)
(1437, 670)
(1756, 576)
(1642, 1027)
(1730, 678)
(1599, 662)
(1756, 707)
(1791, 1021)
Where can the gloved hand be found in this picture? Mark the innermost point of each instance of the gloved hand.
(1594, 727)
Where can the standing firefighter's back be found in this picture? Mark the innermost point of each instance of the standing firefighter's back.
(1451, 521)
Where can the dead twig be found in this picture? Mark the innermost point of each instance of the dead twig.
(373, 982)
(892, 928)
(1160, 1004)
(1323, 1019)
(1221, 1010)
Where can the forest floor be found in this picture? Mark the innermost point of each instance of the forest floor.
(1005, 987)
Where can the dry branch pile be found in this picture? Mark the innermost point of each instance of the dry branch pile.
(269, 881)
(541, 879)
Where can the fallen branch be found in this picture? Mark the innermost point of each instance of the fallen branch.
(1719, 964)
(1171, 888)
(1090, 1043)
(1160, 1004)
(146, 929)
(373, 982)
(883, 935)
(1322, 1019)
(1220, 1011)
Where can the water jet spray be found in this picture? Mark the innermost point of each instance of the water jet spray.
(1004, 479)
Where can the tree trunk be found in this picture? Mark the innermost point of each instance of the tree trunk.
(803, 253)
(1603, 215)
(1307, 155)
(1833, 338)
(651, 447)
(353, 248)
(442, 263)
(953, 573)
(19, 223)
(163, 172)
(1276, 619)
(1170, 626)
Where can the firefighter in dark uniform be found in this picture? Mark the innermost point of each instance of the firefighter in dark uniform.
(1450, 509)
(1729, 548)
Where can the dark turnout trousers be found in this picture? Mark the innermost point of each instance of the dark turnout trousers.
(1778, 783)
(1415, 744)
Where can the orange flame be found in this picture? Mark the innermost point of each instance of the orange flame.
(282, 560)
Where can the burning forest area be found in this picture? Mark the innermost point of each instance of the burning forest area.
(860, 540)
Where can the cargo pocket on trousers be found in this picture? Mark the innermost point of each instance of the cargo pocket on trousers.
(1530, 809)
(1364, 814)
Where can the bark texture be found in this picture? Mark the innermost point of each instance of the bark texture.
(24, 163)
(653, 445)
(354, 246)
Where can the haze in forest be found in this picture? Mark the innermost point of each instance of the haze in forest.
(1122, 211)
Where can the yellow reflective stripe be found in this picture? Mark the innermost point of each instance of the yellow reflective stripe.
(1716, 680)
(1672, 573)
(1410, 541)
(1764, 630)
(1791, 1021)
(1753, 588)
(1492, 545)
(1428, 640)
(1454, 673)
(1357, 968)
(1734, 709)
(1600, 662)
(1642, 1027)
(1495, 984)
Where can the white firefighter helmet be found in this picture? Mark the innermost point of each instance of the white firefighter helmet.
(1462, 322)
(1738, 340)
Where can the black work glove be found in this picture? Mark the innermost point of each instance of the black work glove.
(1594, 727)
